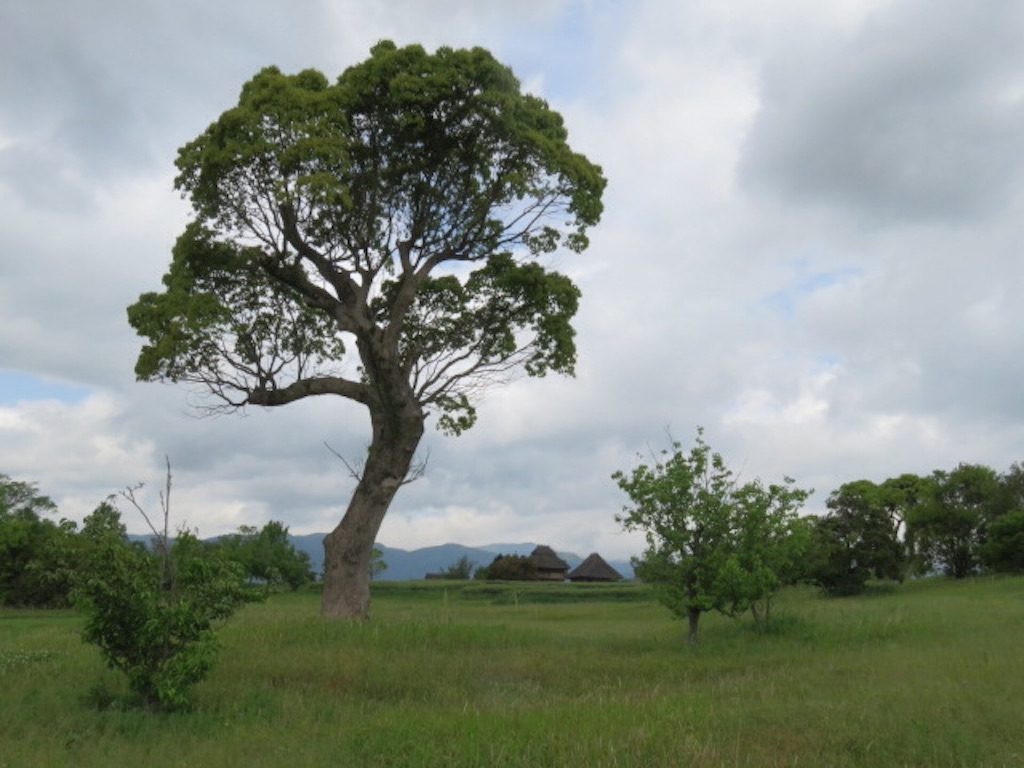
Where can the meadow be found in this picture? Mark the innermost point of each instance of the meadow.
(925, 674)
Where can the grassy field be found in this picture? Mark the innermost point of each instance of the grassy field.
(929, 674)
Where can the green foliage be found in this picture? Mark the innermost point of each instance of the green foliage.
(771, 543)
(509, 568)
(947, 528)
(859, 537)
(1003, 549)
(400, 205)
(712, 544)
(830, 563)
(19, 499)
(36, 554)
(461, 569)
(154, 615)
(267, 556)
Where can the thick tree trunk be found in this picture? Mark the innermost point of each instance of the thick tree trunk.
(694, 618)
(348, 549)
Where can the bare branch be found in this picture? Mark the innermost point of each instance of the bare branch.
(416, 471)
(129, 495)
(162, 538)
(165, 497)
(353, 471)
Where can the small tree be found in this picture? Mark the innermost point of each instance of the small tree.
(772, 543)
(712, 544)
(153, 613)
(377, 564)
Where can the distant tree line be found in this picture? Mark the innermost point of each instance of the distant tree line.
(502, 568)
(42, 557)
(957, 522)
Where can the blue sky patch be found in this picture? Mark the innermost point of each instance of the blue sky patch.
(787, 299)
(16, 387)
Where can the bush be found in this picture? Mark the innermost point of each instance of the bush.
(153, 613)
(509, 568)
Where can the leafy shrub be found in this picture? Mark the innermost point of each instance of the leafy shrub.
(153, 617)
(153, 613)
(509, 568)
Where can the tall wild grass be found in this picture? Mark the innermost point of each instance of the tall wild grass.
(927, 674)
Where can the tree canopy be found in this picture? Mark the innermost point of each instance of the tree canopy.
(391, 209)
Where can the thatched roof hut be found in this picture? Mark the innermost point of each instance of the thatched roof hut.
(594, 568)
(550, 567)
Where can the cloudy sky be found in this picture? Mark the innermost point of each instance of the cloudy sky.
(811, 247)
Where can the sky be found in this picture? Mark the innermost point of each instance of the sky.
(810, 248)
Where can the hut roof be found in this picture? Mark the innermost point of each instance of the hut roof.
(594, 568)
(544, 557)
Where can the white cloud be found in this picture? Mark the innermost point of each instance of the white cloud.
(810, 247)
(78, 453)
(906, 119)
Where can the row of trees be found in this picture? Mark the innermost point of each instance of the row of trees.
(41, 558)
(714, 543)
(956, 522)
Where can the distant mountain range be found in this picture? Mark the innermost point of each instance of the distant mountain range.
(410, 565)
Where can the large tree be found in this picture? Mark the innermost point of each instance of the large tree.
(375, 239)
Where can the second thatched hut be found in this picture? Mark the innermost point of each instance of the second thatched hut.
(594, 568)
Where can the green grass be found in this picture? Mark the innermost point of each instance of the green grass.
(451, 674)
